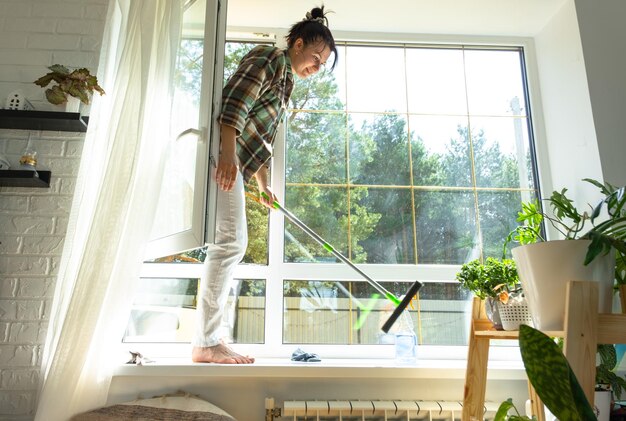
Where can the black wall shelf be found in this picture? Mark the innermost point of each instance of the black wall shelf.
(25, 178)
(43, 120)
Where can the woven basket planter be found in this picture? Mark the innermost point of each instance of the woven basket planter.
(514, 313)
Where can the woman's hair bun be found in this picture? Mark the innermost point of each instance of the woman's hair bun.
(317, 15)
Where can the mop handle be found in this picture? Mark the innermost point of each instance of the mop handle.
(331, 249)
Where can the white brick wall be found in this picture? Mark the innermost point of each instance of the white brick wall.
(33, 221)
(35, 34)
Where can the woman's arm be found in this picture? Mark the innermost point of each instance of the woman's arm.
(227, 164)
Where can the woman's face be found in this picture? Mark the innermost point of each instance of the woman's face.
(307, 60)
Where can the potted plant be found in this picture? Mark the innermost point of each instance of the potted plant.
(615, 201)
(554, 381)
(552, 378)
(546, 266)
(78, 83)
(607, 380)
(494, 281)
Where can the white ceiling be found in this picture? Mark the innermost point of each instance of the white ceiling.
(471, 17)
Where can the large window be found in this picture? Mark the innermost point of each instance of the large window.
(409, 159)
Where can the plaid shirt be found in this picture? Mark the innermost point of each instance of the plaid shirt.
(253, 102)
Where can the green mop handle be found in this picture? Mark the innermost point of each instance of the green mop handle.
(331, 249)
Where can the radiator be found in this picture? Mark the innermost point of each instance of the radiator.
(361, 410)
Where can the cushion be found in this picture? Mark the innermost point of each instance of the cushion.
(172, 407)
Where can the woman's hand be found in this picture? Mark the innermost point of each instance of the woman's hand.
(272, 197)
(226, 173)
(261, 180)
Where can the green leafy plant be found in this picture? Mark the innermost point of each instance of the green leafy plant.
(494, 278)
(503, 412)
(605, 373)
(552, 377)
(610, 234)
(79, 83)
(554, 381)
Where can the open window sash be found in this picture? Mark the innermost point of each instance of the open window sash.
(185, 216)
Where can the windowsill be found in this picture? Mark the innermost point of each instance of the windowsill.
(328, 368)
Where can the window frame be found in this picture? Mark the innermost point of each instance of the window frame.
(277, 270)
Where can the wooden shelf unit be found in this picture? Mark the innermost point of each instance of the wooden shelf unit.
(584, 329)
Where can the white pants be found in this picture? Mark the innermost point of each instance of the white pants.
(231, 240)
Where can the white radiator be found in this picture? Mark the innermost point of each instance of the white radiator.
(361, 410)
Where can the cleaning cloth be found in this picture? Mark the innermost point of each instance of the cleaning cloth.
(307, 357)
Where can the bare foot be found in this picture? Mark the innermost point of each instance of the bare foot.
(220, 354)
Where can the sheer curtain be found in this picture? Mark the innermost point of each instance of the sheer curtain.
(114, 205)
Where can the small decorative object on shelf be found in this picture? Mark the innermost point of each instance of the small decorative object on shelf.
(17, 101)
(28, 161)
(79, 83)
(4, 163)
(514, 312)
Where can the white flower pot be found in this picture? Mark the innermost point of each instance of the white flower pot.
(545, 269)
(72, 105)
(602, 404)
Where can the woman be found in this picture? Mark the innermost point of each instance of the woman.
(253, 102)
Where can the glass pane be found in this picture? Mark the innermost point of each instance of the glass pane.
(324, 91)
(494, 82)
(233, 53)
(376, 81)
(174, 210)
(440, 151)
(379, 150)
(501, 152)
(316, 148)
(351, 313)
(245, 315)
(335, 89)
(257, 217)
(164, 310)
(435, 81)
(322, 209)
(498, 212)
(446, 227)
(445, 311)
(385, 225)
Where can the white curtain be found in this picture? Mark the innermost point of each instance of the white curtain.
(113, 208)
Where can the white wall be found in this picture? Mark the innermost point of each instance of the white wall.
(569, 143)
(243, 396)
(603, 39)
(581, 68)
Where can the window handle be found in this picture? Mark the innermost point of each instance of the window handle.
(200, 133)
